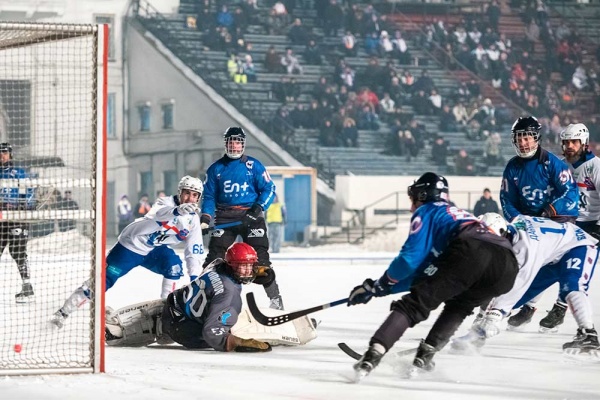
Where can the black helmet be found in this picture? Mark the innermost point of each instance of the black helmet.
(5, 147)
(234, 134)
(526, 126)
(429, 187)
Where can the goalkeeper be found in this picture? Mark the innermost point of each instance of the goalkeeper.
(146, 242)
(203, 314)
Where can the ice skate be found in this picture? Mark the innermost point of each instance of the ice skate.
(26, 294)
(469, 343)
(368, 362)
(520, 319)
(555, 317)
(423, 361)
(276, 303)
(58, 319)
(585, 341)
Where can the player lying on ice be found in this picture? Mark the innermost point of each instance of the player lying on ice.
(206, 313)
(548, 252)
(450, 257)
(147, 242)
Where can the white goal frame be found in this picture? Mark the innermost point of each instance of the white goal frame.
(41, 32)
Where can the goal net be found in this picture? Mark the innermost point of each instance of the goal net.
(52, 174)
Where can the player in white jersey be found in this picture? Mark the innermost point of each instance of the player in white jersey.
(547, 252)
(585, 168)
(147, 242)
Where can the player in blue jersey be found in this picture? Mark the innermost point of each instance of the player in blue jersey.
(146, 242)
(449, 257)
(238, 188)
(15, 234)
(539, 184)
(199, 315)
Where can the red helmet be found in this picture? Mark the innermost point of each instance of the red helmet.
(242, 261)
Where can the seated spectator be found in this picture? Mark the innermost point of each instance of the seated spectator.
(291, 89)
(368, 119)
(401, 49)
(463, 164)
(410, 145)
(439, 151)
(385, 45)
(334, 18)
(388, 106)
(299, 117)
(278, 88)
(349, 44)
(327, 136)
(349, 133)
(312, 53)
(436, 102)
(461, 115)
(282, 125)
(485, 204)
(291, 63)
(278, 19)
(224, 18)
(232, 65)
(408, 81)
(249, 69)
(372, 45)
(273, 60)
(347, 77)
(421, 103)
(447, 120)
(298, 34)
(492, 150)
(424, 82)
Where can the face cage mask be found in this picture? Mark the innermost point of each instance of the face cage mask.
(229, 142)
(245, 272)
(515, 143)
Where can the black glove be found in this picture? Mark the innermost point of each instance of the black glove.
(265, 276)
(252, 215)
(364, 293)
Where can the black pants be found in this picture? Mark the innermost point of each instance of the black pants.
(468, 273)
(14, 236)
(184, 331)
(255, 235)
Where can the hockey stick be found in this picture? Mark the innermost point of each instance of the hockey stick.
(346, 349)
(222, 226)
(282, 319)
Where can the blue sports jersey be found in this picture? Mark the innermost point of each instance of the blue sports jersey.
(237, 183)
(11, 197)
(432, 226)
(531, 186)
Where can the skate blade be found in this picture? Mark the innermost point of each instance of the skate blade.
(359, 375)
(582, 354)
(520, 328)
(543, 329)
(25, 300)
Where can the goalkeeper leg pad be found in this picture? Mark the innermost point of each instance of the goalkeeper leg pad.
(135, 325)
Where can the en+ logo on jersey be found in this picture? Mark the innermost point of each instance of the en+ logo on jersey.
(234, 189)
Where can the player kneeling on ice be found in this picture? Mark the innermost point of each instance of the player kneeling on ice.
(207, 313)
(453, 259)
(147, 242)
(538, 243)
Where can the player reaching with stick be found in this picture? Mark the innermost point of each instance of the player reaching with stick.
(453, 259)
(147, 242)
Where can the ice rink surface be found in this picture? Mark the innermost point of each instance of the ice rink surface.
(525, 365)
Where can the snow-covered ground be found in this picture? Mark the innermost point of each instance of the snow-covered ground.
(526, 365)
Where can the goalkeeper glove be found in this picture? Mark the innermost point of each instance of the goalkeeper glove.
(252, 215)
(264, 276)
(186, 208)
(240, 345)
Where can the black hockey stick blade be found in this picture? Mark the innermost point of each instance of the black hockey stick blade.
(346, 349)
(282, 319)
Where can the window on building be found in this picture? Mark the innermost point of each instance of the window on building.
(171, 181)
(110, 21)
(111, 116)
(167, 110)
(144, 111)
(146, 184)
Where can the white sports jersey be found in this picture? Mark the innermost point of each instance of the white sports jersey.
(587, 177)
(538, 242)
(160, 226)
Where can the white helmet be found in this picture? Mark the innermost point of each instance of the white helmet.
(190, 183)
(576, 132)
(494, 222)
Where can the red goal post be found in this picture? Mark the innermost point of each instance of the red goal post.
(53, 104)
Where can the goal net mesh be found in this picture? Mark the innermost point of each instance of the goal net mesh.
(48, 131)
